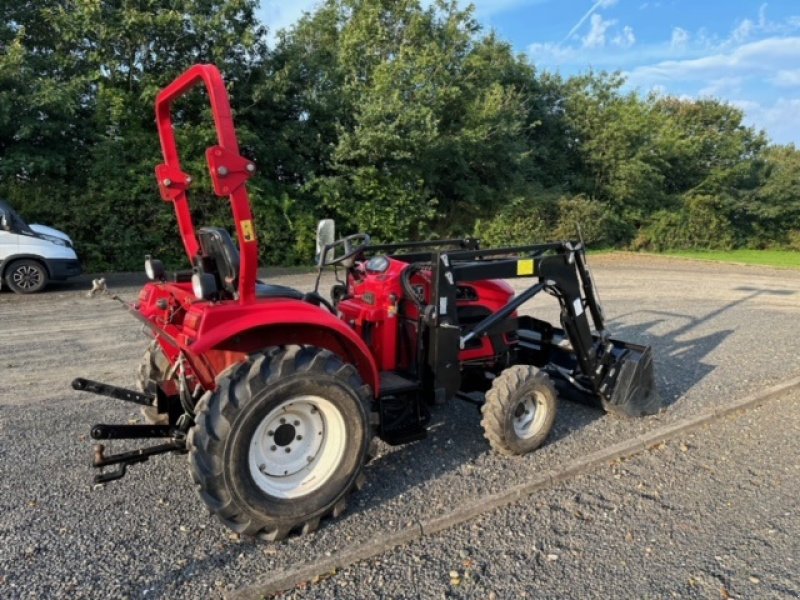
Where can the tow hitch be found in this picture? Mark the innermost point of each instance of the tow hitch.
(176, 434)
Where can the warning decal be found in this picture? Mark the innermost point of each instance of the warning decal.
(525, 267)
(247, 231)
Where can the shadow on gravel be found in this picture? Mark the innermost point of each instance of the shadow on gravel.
(679, 351)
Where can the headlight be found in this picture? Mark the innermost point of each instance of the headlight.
(55, 240)
(204, 286)
(154, 269)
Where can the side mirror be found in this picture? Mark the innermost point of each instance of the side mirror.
(4, 225)
(326, 235)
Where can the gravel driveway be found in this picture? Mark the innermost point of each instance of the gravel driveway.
(714, 515)
(718, 333)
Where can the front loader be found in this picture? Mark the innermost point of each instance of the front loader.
(275, 393)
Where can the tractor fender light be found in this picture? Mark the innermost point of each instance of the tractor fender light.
(204, 286)
(154, 269)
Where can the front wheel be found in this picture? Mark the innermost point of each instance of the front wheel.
(519, 411)
(26, 276)
(152, 369)
(281, 442)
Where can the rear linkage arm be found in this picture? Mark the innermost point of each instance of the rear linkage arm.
(175, 434)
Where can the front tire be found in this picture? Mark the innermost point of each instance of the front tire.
(519, 411)
(152, 370)
(281, 442)
(26, 276)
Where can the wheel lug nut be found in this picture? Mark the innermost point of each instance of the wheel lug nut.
(299, 437)
(273, 448)
(297, 423)
(283, 420)
(270, 433)
(288, 450)
(309, 458)
(262, 468)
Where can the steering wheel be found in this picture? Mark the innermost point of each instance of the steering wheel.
(353, 245)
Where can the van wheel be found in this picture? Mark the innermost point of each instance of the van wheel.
(26, 276)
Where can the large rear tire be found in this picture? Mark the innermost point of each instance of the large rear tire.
(519, 411)
(281, 442)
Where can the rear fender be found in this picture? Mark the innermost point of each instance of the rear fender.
(281, 322)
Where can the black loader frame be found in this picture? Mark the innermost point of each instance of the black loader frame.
(589, 367)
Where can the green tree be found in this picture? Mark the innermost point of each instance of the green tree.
(77, 131)
(403, 121)
(773, 207)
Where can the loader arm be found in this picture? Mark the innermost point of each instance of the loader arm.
(619, 375)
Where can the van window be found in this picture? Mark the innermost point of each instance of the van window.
(15, 221)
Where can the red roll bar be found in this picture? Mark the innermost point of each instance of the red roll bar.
(229, 171)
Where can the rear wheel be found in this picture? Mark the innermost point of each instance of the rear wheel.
(281, 442)
(519, 411)
(26, 276)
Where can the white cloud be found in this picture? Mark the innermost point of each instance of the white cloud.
(754, 62)
(751, 59)
(626, 39)
(723, 87)
(550, 53)
(596, 38)
(680, 37)
(587, 14)
(762, 16)
(786, 78)
(779, 119)
(743, 73)
(743, 31)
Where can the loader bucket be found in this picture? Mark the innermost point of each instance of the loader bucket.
(629, 388)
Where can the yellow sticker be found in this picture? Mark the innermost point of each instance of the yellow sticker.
(525, 267)
(247, 231)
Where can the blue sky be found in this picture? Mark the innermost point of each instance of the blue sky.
(745, 52)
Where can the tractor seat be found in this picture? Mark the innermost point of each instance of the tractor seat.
(270, 290)
(220, 255)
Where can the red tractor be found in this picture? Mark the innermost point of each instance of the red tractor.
(275, 394)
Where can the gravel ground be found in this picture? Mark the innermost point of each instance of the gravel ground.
(712, 515)
(718, 332)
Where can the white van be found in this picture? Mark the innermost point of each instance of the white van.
(32, 255)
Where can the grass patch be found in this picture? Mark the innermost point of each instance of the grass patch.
(786, 259)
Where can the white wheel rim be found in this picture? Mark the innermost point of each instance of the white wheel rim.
(297, 447)
(529, 415)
